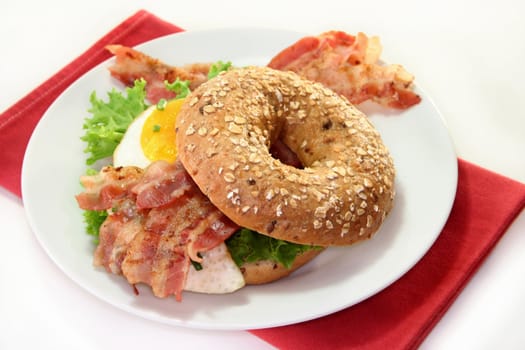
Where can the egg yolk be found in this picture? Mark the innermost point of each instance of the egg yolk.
(158, 133)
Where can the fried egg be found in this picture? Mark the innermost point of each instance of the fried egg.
(150, 137)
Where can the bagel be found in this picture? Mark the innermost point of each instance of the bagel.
(266, 271)
(224, 132)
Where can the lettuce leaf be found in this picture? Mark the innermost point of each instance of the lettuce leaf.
(93, 219)
(110, 119)
(249, 246)
(180, 87)
(218, 67)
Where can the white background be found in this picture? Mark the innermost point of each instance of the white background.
(467, 55)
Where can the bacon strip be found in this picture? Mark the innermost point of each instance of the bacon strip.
(109, 185)
(345, 63)
(115, 236)
(350, 66)
(162, 184)
(131, 65)
(138, 263)
(157, 222)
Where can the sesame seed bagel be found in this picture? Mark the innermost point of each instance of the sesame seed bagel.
(224, 132)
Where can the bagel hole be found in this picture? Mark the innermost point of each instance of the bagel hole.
(279, 150)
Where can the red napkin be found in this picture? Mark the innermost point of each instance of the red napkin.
(397, 318)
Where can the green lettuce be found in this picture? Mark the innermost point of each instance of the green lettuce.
(249, 246)
(93, 219)
(218, 67)
(110, 119)
(180, 87)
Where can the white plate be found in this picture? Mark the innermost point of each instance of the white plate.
(426, 184)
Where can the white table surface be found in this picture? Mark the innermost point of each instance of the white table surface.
(467, 55)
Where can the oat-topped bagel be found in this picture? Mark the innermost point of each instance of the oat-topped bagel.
(224, 132)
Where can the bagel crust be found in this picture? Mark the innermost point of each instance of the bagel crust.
(266, 271)
(224, 132)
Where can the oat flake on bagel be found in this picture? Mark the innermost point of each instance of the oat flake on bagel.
(224, 133)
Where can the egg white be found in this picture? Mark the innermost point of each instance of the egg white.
(129, 152)
(219, 273)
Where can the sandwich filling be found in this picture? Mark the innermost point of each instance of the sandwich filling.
(159, 225)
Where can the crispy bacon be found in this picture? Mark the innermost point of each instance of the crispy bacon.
(153, 242)
(138, 263)
(171, 261)
(131, 65)
(162, 184)
(345, 63)
(350, 66)
(110, 184)
(116, 234)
